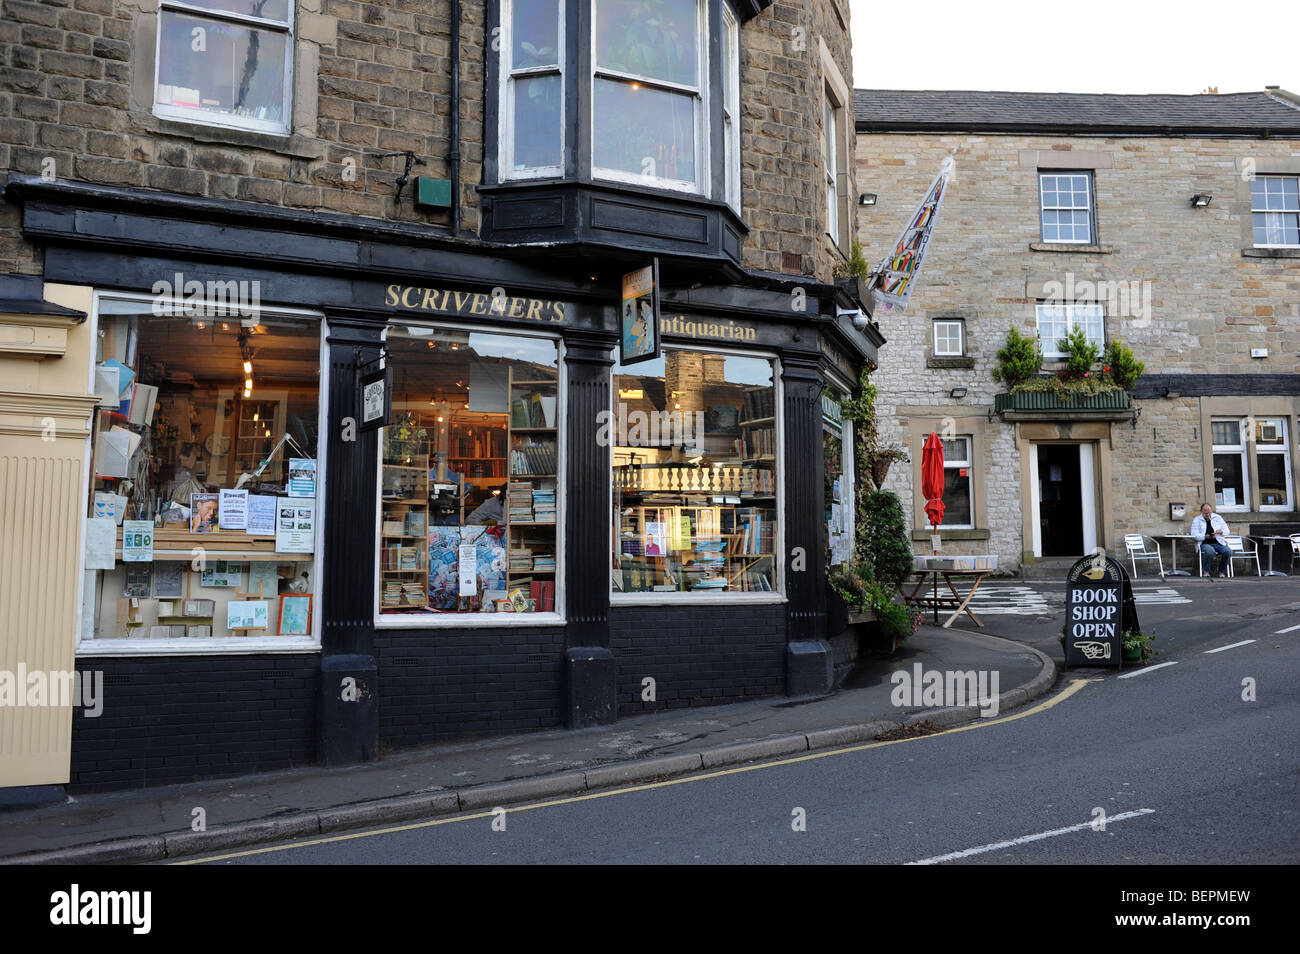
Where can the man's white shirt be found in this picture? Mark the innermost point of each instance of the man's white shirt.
(1218, 527)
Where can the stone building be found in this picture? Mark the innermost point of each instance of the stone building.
(238, 236)
(1168, 222)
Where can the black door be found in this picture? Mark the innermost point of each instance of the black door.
(1060, 508)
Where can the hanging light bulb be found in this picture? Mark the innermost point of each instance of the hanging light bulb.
(248, 392)
(255, 417)
(248, 367)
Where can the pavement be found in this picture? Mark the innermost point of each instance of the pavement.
(157, 824)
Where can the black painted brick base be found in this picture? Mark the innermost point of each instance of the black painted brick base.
(440, 685)
(173, 719)
(698, 656)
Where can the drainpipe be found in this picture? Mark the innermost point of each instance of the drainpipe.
(455, 118)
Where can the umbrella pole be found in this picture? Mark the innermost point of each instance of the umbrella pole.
(933, 530)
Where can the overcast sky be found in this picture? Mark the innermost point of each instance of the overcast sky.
(1100, 46)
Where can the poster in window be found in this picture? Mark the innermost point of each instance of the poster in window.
(295, 615)
(639, 311)
(137, 541)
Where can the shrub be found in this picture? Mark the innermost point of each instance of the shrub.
(1080, 354)
(887, 542)
(1124, 368)
(1019, 360)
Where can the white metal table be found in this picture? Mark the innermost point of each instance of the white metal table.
(1173, 539)
(1272, 542)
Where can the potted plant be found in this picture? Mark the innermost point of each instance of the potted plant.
(1018, 361)
(1138, 646)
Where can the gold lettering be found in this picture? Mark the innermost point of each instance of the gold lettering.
(391, 299)
(460, 301)
(534, 309)
(429, 293)
(405, 292)
(557, 309)
(480, 304)
(516, 307)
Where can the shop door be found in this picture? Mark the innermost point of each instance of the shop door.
(1060, 503)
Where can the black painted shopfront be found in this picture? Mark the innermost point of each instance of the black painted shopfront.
(745, 620)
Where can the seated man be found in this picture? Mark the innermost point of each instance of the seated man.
(1208, 529)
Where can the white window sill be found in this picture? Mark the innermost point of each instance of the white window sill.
(197, 646)
(468, 620)
(691, 599)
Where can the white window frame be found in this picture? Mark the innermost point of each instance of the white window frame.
(1254, 211)
(830, 120)
(207, 117)
(217, 645)
(955, 464)
(1282, 450)
(1242, 450)
(848, 488)
(506, 97)
(948, 324)
(1089, 207)
(778, 594)
(1051, 349)
(703, 132)
(435, 620)
(731, 105)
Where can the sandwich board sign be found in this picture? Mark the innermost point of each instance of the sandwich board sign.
(1099, 607)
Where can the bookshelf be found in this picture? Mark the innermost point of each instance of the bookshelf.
(403, 534)
(687, 543)
(531, 505)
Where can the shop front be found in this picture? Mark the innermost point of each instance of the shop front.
(540, 536)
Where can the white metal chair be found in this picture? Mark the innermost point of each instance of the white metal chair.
(1295, 550)
(1239, 552)
(1136, 545)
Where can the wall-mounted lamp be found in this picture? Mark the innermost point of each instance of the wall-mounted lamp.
(1201, 200)
(867, 198)
(957, 393)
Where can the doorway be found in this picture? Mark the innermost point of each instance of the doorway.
(1060, 500)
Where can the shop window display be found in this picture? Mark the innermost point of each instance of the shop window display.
(470, 475)
(694, 444)
(205, 497)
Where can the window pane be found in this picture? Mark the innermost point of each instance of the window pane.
(1273, 490)
(658, 40)
(537, 121)
(956, 449)
(956, 497)
(470, 468)
(265, 9)
(187, 432)
(1226, 433)
(239, 72)
(535, 33)
(1270, 432)
(643, 131)
(694, 457)
(1229, 486)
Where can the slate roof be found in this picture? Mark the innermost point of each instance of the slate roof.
(1228, 114)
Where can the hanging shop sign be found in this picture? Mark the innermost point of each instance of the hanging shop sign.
(639, 316)
(374, 396)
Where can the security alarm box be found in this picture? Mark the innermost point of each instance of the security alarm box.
(1177, 511)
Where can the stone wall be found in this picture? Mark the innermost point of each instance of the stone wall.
(1201, 304)
(76, 93)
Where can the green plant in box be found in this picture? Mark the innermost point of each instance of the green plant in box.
(1018, 361)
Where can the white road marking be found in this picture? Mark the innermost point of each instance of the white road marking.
(1010, 601)
(1130, 675)
(1161, 594)
(1023, 839)
(1244, 642)
(1289, 629)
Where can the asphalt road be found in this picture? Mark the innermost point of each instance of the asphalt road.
(1199, 774)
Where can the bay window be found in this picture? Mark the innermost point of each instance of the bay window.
(643, 107)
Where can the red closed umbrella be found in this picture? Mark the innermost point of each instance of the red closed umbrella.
(932, 479)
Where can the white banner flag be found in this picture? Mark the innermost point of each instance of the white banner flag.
(897, 274)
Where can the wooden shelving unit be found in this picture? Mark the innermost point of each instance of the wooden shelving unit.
(532, 489)
(403, 535)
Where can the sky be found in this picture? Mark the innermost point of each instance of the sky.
(1101, 46)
